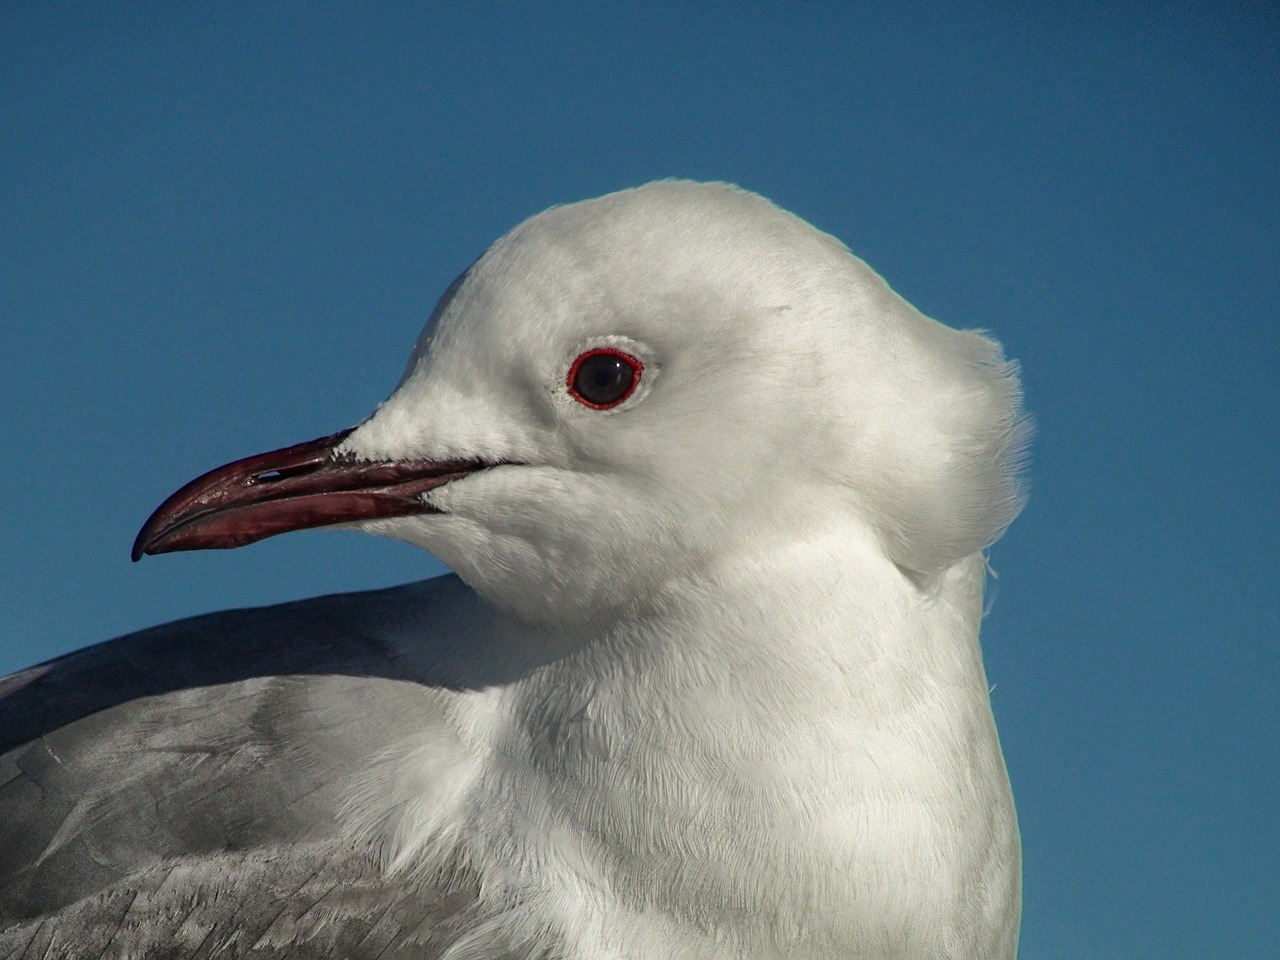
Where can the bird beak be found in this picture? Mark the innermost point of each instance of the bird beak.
(306, 485)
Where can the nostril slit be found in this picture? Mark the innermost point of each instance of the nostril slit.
(275, 476)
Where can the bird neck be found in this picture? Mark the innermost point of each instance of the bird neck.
(797, 751)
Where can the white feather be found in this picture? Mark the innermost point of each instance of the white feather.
(764, 728)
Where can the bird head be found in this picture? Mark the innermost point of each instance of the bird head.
(623, 390)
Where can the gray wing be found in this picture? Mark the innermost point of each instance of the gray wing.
(176, 792)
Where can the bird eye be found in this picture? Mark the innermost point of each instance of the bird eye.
(602, 378)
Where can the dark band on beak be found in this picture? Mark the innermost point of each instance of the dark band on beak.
(306, 485)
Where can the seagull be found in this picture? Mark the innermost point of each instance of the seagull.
(705, 682)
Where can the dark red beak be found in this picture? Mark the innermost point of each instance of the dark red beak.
(306, 485)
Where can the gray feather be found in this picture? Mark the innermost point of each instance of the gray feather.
(176, 792)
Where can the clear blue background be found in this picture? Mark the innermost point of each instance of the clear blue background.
(221, 227)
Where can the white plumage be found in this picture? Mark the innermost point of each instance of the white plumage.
(713, 685)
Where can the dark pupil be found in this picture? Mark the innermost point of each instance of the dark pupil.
(603, 379)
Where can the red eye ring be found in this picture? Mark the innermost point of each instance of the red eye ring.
(601, 378)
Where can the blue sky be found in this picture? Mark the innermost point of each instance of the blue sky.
(223, 227)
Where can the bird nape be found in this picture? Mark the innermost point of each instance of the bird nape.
(706, 681)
